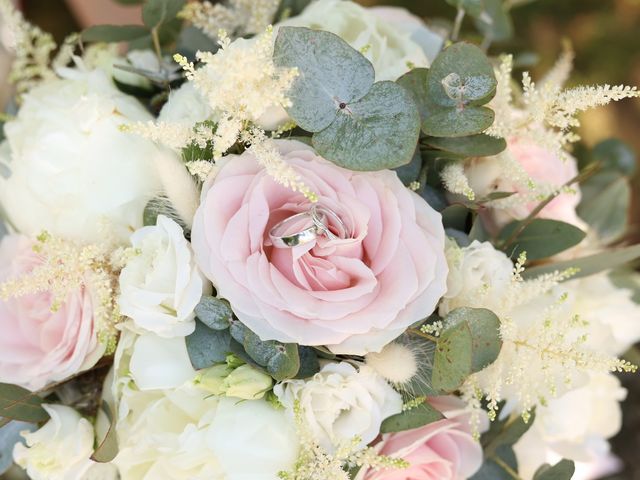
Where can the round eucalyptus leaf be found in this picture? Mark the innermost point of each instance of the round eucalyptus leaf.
(452, 361)
(377, 132)
(415, 417)
(214, 312)
(454, 122)
(461, 75)
(207, 347)
(484, 326)
(331, 74)
(415, 81)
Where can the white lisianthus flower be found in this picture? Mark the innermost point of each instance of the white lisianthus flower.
(340, 403)
(575, 426)
(610, 311)
(161, 285)
(61, 449)
(186, 433)
(478, 269)
(83, 178)
(186, 105)
(390, 49)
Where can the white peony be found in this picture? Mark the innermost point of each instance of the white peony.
(185, 433)
(61, 449)
(161, 285)
(340, 403)
(390, 48)
(83, 178)
(574, 426)
(478, 269)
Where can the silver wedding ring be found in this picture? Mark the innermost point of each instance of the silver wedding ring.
(319, 216)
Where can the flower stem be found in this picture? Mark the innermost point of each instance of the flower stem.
(457, 24)
(512, 473)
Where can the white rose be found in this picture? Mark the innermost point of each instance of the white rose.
(341, 402)
(161, 285)
(478, 269)
(61, 449)
(72, 171)
(613, 316)
(390, 49)
(186, 106)
(186, 433)
(574, 426)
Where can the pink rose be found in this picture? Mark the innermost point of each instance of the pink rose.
(443, 450)
(38, 345)
(354, 294)
(545, 168)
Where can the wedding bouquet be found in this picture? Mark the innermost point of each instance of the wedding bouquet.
(307, 241)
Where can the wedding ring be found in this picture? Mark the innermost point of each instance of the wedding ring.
(280, 239)
(318, 215)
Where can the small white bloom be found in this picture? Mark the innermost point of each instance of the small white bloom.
(574, 426)
(390, 48)
(83, 177)
(160, 285)
(476, 270)
(61, 449)
(340, 403)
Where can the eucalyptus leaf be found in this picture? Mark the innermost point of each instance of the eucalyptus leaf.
(416, 417)
(456, 217)
(9, 437)
(589, 265)
(309, 363)
(461, 75)
(114, 33)
(563, 470)
(435, 198)
(541, 238)
(415, 82)
(453, 122)
(490, 470)
(409, 173)
(379, 131)
(331, 73)
(18, 403)
(606, 200)
(214, 312)
(614, 154)
(206, 347)
(472, 146)
(107, 448)
(453, 359)
(484, 327)
(505, 433)
(496, 23)
(158, 12)
(281, 360)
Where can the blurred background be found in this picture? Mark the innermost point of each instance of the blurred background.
(605, 35)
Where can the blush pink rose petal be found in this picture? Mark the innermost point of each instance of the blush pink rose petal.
(38, 346)
(443, 450)
(355, 294)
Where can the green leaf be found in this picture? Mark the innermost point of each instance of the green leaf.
(484, 327)
(281, 360)
(206, 347)
(409, 173)
(450, 122)
(114, 33)
(415, 82)
(490, 470)
(461, 75)
(541, 238)
(614, 154)
(309, 363)
(415, 417)
(214, 312)
(563, 470)
(17, 403)
(455, 216)
(471, 146)
(590, 265)
(331, 73)
(376, 132)
(496, 23)
(606, 199)
(158, 12)
(453, 358)
(505, 433)
(107, 447)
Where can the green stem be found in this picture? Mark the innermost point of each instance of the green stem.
(156, 44)
(512, 473)
(457, 24)
(422, 334)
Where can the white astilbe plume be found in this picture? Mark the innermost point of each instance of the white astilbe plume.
(455, 180)
(546, 113)
(237, 17)
(544, 343)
